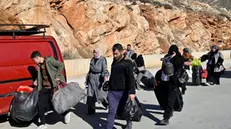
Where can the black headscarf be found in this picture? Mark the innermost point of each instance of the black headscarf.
(173, 48)
(177, 60)
(216, 48)
(134, 56)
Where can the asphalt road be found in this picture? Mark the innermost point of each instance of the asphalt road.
(205, 107)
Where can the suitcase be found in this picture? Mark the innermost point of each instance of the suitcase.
(196, 75)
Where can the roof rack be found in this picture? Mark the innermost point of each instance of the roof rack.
(23, 29)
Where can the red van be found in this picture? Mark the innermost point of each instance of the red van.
(16, 66)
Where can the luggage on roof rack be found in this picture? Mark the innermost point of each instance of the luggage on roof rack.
(22, 29)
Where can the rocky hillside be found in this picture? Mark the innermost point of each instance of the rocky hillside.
(219, 3)
(151, 26)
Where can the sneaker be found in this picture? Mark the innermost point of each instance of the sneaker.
(211, 83)
(207, 84)
(164, 122)
(67, 118)
(42, 127)
(48, 112)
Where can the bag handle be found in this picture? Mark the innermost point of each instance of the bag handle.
(58, 83)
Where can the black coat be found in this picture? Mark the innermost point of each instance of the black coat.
(216, 58)
(178, 63)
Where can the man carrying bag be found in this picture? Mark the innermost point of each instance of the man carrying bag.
(121, 84)
(49, 73)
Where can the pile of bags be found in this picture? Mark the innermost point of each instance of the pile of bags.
(25, 102)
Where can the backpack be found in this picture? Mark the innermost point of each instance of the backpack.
(167, 66)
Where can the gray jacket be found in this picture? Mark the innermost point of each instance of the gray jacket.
(130, 53)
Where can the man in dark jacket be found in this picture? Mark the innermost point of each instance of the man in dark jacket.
(49, 75)
(171, 84)
(121, 84)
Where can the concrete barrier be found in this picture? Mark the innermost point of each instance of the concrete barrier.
(79, 67)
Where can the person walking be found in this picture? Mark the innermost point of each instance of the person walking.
(49, 75)
(96, 76)
(139, 69)
(214, 65)
(171, 84)
(188, 58)
(129, 51)
(121, 84)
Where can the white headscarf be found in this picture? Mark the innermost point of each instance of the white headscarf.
(98, 50)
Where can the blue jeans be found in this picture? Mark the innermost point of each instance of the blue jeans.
(113, 99)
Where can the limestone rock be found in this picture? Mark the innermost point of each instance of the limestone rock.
(151, 27)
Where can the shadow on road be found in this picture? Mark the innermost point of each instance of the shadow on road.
(3, 118)
(191, 84)
(51, 119)
(227, 74)
(147, 112)
(95, 121)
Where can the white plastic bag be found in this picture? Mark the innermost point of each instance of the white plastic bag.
(189, 72)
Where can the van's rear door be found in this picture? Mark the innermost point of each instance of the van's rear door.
(16, 67)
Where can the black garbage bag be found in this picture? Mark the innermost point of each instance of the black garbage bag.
(132, 111)
(24, 105)
(148, 79)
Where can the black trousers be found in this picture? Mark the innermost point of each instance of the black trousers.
(172, 96)
(91, 104)
(212, 76)
(44, 104)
